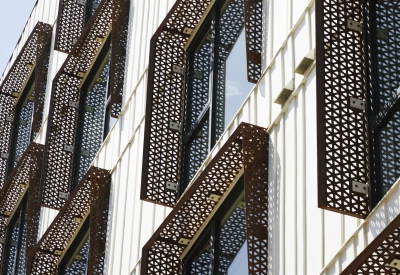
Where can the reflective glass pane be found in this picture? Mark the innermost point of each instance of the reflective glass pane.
(202, 263)
(198, 96)
(232, 84)
(197, 150)
(232, 237)
(389, 141)
(92, 123)
(22, 131)
(387, 49)
(78, 264)
(12, 240)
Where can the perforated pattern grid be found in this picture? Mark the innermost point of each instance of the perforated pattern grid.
(374, 259)
(70, 23)
(161, 154)
(92, 194)
(119, 37)
(342, 131)
(13, 84)
(57, 172)
(248, 148)
(253, 21)
(25, 173)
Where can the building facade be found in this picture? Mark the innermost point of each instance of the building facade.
(201, 137)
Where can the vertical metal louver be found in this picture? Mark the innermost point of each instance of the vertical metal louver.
(119, 39)
(343, 164)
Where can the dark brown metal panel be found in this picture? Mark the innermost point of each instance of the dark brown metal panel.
(24, 175)
(91, 195)
(161, 153)
(70, 23)
(341, 130)
(11, 88)
(253, 20)
(255, 161)
(63, 118)
(247, 147)
(42, 65)
(100, 196)
(119, 37)
(374, 259)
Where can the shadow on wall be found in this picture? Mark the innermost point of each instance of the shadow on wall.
(274, 189)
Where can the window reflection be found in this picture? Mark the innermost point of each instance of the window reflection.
(389, 141)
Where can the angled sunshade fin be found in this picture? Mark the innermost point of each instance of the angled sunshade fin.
(41, 70)
(13, 85)
(63, 113)
(247, 149)
(25, 177)
(70, 24)
(119, 39)
(161, 154)
(89, 199)
(253, 20)
(342, 145)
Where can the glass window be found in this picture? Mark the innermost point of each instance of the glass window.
(94, 118)
(222, 247)
(216, 83)
(15, 257)
(22, 135)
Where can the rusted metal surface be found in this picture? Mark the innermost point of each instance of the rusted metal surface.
(341, 130)
(90, 196)
(70, 23)
(63, 115)
(13, 86)
(25, 175)
(41, 69)
(247, 147)
(119, 37)
(377, 256)
(253, 21)
(161, 154)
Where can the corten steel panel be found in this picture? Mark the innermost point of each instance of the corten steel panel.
(374, 259)
(70, 23)
(119, 37)
(11, 88)
(26, 172)
(341, 130)
(247, 147)
(161, 154)
(91, 195)
(253, 21)
(63, 119)
(41, 69)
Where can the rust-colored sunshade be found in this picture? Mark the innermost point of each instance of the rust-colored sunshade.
(343, 164)
(119, 40)
(70, 24)
(253, 22)
(25, 177)
(91, 197)
(63, 113)
(246, 148)
(381, 252)
(165, 91)
(35, 50)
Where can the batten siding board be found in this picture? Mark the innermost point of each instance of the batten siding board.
(289, 140)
